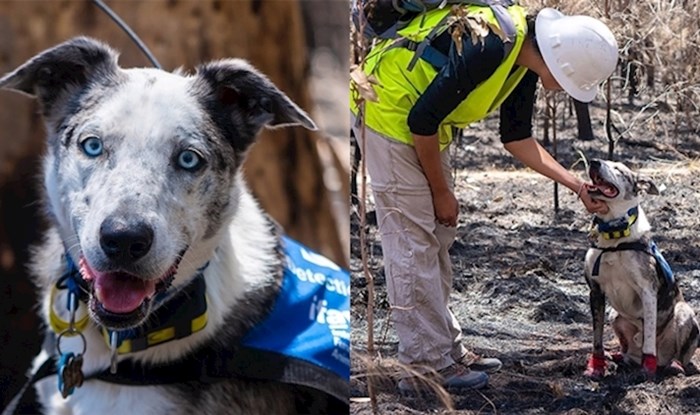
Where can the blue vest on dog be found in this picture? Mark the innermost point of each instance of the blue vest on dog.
(310, 321)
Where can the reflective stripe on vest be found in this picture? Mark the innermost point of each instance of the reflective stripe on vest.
(398, 88)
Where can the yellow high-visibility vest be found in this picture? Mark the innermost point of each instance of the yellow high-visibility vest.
(398, 88)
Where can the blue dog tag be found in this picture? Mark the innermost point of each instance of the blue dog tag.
(70, 373)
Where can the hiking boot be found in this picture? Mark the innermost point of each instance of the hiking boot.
(454, 378)
(480, 364)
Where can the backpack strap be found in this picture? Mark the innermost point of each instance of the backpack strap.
(424, 46)
(424, 50)
(507, 24)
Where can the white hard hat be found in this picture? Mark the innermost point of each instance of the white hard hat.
(579, 51)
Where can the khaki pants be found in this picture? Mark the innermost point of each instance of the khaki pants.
(415, 249)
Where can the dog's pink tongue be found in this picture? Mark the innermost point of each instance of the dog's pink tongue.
(122, 293)
(607, 190)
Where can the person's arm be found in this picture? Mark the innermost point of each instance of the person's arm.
(444, 201)
(516, 135)
(533, 155)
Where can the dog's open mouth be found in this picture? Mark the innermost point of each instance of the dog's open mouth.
(602, 187)
(120, 297)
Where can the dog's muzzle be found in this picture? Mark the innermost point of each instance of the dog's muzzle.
(120, 299)
(601, 187)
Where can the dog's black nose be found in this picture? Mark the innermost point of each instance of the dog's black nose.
(125, 240)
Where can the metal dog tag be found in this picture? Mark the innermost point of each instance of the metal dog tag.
(70, 373)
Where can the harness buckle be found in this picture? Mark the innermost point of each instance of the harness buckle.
(410, 45)
(72, 308)
(113, 346)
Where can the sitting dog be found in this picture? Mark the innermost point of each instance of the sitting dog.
(653, 323)
(165, 288)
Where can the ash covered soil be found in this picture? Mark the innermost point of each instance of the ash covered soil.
(519, 290)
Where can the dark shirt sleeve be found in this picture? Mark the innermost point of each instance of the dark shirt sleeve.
(454, 81)
(516, 110)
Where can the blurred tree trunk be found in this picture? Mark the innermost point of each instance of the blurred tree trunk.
(583, 119)
(283, 168)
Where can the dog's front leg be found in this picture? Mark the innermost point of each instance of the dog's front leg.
(649, 340)
(596, 363)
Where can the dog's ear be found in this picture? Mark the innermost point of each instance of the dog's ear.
(644, 184)
(55, 74)
(241, 101)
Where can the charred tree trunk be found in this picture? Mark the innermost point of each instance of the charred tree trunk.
(583, 120)
(545, 128)
(631, 69)
(283, 168)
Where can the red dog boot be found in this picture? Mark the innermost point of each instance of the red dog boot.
(595, 368)
(649, 364)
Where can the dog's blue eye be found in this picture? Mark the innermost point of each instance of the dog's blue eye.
(189, 160)
(92, 146)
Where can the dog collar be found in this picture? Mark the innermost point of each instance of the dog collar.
(174, 318)
(619, 227)
(178, 317)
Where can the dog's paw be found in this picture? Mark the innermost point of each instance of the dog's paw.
(649, 365)
(595, 369)
(616, 357)
(675, 368)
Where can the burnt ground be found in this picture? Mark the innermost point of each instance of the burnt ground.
(519, 290)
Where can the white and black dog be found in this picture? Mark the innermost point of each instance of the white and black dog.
(165, 288)
(653, 323)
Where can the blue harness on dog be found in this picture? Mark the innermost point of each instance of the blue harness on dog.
(663, 269)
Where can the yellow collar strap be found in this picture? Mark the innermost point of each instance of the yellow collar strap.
(617, 228)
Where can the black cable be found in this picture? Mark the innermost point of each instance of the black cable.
(129, 32)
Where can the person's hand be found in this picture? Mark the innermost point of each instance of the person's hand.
(446, 208)
(592, 205)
